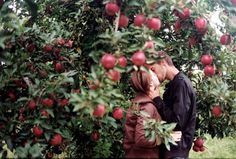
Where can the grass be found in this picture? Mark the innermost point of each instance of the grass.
(217, 148)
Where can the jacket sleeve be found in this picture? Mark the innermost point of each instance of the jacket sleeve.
(181, 104)
(140, 139)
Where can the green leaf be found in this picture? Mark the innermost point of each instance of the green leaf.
(147, 133)
(145, 114)
(35, 151)
(135, 3)
(50, 112)
(47, 136)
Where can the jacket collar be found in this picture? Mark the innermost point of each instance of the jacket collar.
(142, 98)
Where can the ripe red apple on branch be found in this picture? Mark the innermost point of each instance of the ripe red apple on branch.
(48, 48)
(209, 70)
(122, 61)
(177, 25)
(198, 145)
(47, 102)
(149, 44)
(206, 59)
(216, 111)
(95, 136)
(108, 61)
(56, 140)
(37, 131)
(99, 111)
(112, 8)
(138, 58)
(154, 24)
(32, 104)
(118, 113)
(139, 20)
(123, 21)
(200, 24)
(114, 75)
(185, 14)
(225, 39)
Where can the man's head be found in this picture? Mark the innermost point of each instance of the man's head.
(162, 66)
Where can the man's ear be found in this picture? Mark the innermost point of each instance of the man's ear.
(162, 63)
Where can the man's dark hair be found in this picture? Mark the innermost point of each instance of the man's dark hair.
(164, 56)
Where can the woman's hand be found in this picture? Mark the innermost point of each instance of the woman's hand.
(155, 86)
(176, 135)
(154, 80)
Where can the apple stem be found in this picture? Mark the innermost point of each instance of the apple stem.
(117, 22)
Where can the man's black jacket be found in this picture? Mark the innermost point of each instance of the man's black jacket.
(179, 106)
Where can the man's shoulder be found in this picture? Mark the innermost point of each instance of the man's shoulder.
(183, 80)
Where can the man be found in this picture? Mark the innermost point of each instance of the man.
(178, 105)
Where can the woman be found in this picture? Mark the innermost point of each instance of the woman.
(136, 145)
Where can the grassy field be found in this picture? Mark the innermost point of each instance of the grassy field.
(217, 148)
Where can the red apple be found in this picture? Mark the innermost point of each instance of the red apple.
(63, 102)
(118, 113)
(95, 136)
(185, 13)
(199, 142)
(139, 20)
(122, 61)
(22, 110)
(37, 131)
(47, 102)
(114, 75)
(149, 44)
(154, 23)
(108, 61)
(192, 41)
(123, 21)
(99, 111)
(233, 2)
(216, 111)
(69, 43)
(21, 118)
(57, 52)
(177, 25)
(31, 48)
(206, 59)
(60, 41)
(200, 24)
(44, 113)
(196, 148)
(58, 67)
(138, 58)
(202, 149)
(32, 104)
(12, 96)
(209, 70)
(49, 155)
(48, 48)
(56, 140)
(225, 39)
(111, 9)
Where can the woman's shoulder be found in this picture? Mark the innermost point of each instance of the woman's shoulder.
(151, 109)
